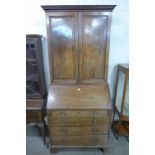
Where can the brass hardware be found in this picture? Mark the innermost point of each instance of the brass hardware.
(62, 114)
(94, 140)
(94, 130)
(63, 120)
(94, 121)
(64, 130)
(95, 113)
(64, 141)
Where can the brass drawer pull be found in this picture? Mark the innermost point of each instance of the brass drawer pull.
(63, 121)
(94, 120)
(96, 114)
(64, 130)
(64, 141)
(62, 114)
(94, 140)
(94, 130)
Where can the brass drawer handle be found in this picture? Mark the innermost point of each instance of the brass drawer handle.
(64, 141)
(63, 121)
(94, 140)
(96, 114)
(94, 130)
(64, 130)
(94, 120)
(62, 114)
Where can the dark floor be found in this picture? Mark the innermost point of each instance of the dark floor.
(35, 145)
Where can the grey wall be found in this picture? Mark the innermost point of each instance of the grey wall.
(119, 50)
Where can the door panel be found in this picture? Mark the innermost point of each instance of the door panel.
(92, 43)
(78, 46)
(63, 42)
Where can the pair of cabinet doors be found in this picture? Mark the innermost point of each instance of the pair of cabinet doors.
(78, 45)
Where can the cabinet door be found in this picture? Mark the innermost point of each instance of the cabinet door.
(93, 46)
(62, 41)
(33, 80)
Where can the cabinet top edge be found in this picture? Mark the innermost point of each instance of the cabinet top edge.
(47, 8)
(124, 66)
(34, 35)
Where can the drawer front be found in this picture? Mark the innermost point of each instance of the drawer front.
(78, 130)
(78, 120)
(79, 117)
(78, 113)
(33, 117)
(84, 140)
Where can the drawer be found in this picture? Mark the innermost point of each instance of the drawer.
(33, 116)
(84, 140)
(78, 130)
(78, 120)
(78, 113)
(79, 117)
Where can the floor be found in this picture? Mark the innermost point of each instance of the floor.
(35, 146)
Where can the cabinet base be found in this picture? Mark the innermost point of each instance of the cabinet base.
(54, 150)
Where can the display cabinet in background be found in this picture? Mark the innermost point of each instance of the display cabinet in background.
(35, 82)
(120, 124)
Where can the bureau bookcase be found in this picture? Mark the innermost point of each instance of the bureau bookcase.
(78, 104)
